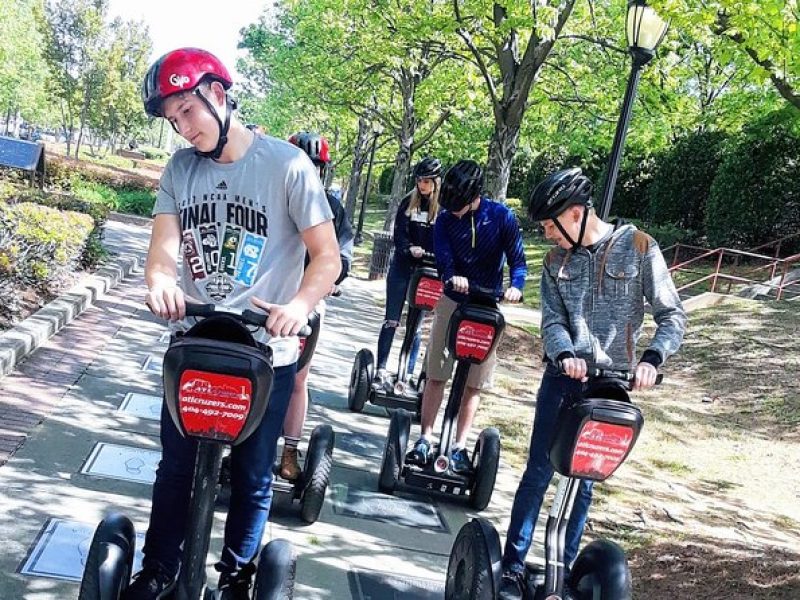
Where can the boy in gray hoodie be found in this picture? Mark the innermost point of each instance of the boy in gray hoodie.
(594, 286)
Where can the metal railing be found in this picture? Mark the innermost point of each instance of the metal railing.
(726, 268)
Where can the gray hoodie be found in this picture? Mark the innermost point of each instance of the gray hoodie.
(593, 301)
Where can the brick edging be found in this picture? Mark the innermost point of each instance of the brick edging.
(22, 339)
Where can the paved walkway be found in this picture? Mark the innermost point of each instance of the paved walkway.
(80, 438)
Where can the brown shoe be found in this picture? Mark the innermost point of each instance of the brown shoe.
(290, 469)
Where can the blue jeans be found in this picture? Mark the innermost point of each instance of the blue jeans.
(554, 390)
(251, 487)
(396, 289)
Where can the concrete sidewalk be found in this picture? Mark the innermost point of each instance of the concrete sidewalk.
(95, 387)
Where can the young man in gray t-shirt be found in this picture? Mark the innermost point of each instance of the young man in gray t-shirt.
(242, 210)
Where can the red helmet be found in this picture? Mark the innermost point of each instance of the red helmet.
(314, 145)
(181, 70)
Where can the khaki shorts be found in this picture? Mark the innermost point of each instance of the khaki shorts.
(438, 362)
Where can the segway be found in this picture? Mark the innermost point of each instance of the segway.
(217, 381)
(474, 329)
(593, 438)
(398, 391)
(310, 487)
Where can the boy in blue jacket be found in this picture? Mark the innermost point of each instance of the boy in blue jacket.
(474, 237)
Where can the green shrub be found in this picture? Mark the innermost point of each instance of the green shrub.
(678, 193)
(39, 244)
(153, 153)
(668, 235)
(755, 197)
(93, 251)
(630, 195)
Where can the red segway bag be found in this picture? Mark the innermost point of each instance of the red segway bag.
(424, 288)
(594, 437)
(217, 380)
(474, 331)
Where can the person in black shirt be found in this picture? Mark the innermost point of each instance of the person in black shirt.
(413, 237)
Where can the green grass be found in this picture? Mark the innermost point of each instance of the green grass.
(130, 201)
(672, 466)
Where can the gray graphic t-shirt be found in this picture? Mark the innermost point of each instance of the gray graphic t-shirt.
(241, 225)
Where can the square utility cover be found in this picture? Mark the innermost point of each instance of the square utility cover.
(127, 463)
(61, 549)
(374, 506)
(369, 585)
(143, 406)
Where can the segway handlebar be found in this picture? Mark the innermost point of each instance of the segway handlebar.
(246, 316)
(598, 373)
(428, 259)
(480, 292)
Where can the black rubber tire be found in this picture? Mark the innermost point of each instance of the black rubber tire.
(360, 380)
(485, 461)
(110, 560)
(317, 472)
(601, 572)
(474, 565)
(394, 452)
(276, 572)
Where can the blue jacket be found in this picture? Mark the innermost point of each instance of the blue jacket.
(478, 245)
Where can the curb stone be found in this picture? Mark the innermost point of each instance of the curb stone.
(25, 337)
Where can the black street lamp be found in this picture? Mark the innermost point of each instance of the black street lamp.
(644, 30)
(376, 132)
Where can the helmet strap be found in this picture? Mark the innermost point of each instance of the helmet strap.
(574, 243)
(224, 126)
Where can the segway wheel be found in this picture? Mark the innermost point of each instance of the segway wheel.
(394, 452)
(110, 560)
(276, 572)
(360, 380)
(317, 472)
(474, 569)
(600, 572)
(485, 459)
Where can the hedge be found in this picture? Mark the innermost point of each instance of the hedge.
(755, 197)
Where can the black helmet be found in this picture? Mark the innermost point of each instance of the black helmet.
(558, 191)
(428, 167)
(314, 145)
(462, 183)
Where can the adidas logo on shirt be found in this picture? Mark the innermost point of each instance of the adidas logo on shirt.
(222, 185)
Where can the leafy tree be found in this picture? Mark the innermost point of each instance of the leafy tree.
(73, 32)
(22, 68)
(766, 31)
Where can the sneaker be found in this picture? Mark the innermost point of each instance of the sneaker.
(459, 461)
(151, 583)
(290, 468)
(380, 378)
(512, 586)
(421, 454)
(236, 586)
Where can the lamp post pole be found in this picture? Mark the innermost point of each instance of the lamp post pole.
(619, 140)
(644, 30)
(359, 238)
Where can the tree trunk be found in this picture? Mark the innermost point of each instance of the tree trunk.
(502, 148)
(360, 156)
(84, 113)
(402, 164)
(405, 137)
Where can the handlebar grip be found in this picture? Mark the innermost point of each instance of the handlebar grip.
(246, 316)
(596, 372)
